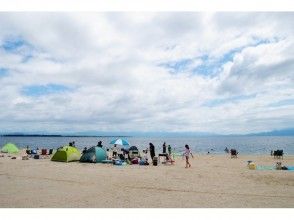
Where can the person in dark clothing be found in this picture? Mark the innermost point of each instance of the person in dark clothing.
(84, 151)
(152, 150)
(164, 148)
(99, 144)
(169, 150)
(227, 150)
(28, 151)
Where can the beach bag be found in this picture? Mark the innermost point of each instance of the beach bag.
(135, 161)
(118, 162)
(143, 163)
(25, 157)
(37, 156)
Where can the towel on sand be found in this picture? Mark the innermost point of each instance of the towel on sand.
(290, 168)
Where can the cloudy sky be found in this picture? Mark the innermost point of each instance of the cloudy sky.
(208, 72)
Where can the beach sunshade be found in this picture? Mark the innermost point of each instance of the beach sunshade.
(120, 141)
(10, 148)
(94, 155)
(66, 154)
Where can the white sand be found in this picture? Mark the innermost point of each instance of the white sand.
(213, 181)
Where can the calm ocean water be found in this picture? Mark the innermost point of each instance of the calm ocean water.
(245, 145)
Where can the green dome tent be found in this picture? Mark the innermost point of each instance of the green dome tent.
(94, 155)
(10, 148)
(66, 154)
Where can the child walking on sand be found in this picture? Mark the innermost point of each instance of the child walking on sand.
(187, 154)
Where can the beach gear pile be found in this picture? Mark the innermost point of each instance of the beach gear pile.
(252, 166)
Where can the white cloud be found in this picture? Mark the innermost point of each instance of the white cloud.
(111, 62)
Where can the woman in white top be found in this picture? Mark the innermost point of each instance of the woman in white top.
(187, 154)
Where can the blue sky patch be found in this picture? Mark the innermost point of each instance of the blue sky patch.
(210, 66)
(19, 46)
(13, 44)
(41, 90)
(3, 72)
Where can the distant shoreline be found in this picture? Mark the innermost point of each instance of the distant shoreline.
(53, 135)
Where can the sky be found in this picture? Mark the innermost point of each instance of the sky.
(225, 73)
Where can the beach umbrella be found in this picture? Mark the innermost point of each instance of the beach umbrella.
(120, 141)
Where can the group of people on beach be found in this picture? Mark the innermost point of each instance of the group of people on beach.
(121, 153)
(166, 152)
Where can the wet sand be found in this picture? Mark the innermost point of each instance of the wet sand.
(212, 181)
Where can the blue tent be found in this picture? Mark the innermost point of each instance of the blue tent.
(94, 155)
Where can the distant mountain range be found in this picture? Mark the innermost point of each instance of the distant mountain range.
(283, 132)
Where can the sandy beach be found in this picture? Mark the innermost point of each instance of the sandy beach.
(212, 181)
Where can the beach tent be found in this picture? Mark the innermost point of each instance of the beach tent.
(66, 154)
(10, 148)
(94, 155)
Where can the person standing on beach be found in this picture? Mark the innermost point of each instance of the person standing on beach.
(99, 144)
(164, 148)
(152, 150)
(169, 150)
(187, 155)
(114, 151)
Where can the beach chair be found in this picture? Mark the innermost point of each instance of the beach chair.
(44, 152)
(165, 157)
(234, 153)
(278, 154)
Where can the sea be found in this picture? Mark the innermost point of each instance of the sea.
(247, 145)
